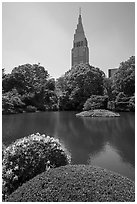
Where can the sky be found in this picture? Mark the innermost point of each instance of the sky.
(42, 32)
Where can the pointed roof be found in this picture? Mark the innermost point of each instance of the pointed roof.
(79, 32)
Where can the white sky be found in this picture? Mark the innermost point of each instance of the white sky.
(43, 32)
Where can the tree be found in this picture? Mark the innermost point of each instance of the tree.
(33, 85)
(108, 88)
(124, 78)
(31, 77)
(11, 102)
(80, 82)
(96, 102)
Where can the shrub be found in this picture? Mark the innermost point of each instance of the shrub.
(132, 103)
(31, 109)
(121, 97)
(76, 183)
(11, 102)
(7, 105)
(122, 102)
(28, 157)
(96, 102)
(122, 106)
(111, 105)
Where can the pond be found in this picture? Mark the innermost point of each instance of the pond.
(104, 142)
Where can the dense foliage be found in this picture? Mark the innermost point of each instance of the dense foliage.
(124, 103)
(121, 87)
(28, 157)
(108, 89)
(11, 102)
(78, 84)
(96, 102)
(29, 88)
(124, 78)
(97, 113)
(28, 85)
(76, 183)
(132, 103)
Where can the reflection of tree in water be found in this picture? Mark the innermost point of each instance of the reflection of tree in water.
(79, 140)
(10, 126)
(123, 138)
(83, 137)
(119, 132)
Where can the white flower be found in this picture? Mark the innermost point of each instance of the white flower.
(16, 167)
(48, 137)
(15, 177)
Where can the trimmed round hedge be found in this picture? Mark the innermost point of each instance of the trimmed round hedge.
(29, 156)
(80, 183)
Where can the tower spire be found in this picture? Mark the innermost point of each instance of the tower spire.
(79, 18)
(80, 11)
(80, 51)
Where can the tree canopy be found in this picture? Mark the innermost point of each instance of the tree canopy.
(124, 78)
(34, 88)
(26, 78)
(80, 82)
(31, 85)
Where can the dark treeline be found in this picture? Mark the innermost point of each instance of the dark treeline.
(29, 88)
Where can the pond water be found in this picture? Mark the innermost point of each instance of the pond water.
(104, 142)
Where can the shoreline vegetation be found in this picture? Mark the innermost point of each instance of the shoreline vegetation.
(29, 88)
(98, 113)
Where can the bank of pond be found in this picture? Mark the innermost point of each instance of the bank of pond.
(122, 103)
(98, 113)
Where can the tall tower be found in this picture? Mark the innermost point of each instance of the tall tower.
(80, 51)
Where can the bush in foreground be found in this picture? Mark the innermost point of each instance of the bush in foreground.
(28, 157)
(76, 183)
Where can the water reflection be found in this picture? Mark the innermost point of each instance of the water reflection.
(99, 141)
(118, 132)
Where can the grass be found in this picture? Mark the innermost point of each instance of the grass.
(76, 183)
(98, 113)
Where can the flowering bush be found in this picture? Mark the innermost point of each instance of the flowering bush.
(3, 149)
(28, 157)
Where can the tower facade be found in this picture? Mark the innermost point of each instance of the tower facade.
(80, 51)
